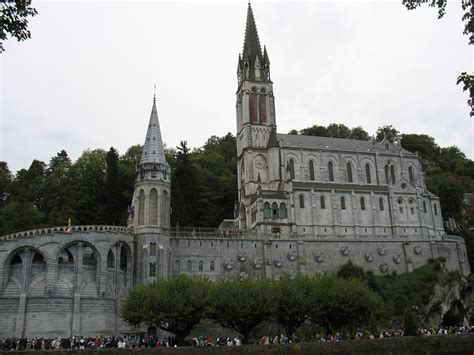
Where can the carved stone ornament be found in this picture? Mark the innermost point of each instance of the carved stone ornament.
(228, 264)
(257, 263)
(369, 257)
(242, 257)
(278, 262)
(417, 249)
(319, 258)
(381, 250)
(291, 255)
(397, 258)
(383, 268)
(345, 250)
(243, 275)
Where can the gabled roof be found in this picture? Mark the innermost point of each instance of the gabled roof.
(153, 147)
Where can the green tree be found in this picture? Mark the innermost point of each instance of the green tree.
(409, 323)
(292, 302)
(19, 215)
(175, 305)
(335, 130)
(359, 133)
(114, 205)
(14, 20)
(242, 305)
(5, 181)
(387, 131)
(351, 270)
(315, 130)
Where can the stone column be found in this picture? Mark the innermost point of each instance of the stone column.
(76, 311)
(26, 274)
(268, 262)
(301, 257)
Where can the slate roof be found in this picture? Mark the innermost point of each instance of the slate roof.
(153, 147)
(252, 48)
(293, 140)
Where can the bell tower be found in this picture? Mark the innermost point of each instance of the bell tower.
(149, 213)
(257, 146)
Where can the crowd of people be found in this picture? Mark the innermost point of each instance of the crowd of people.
(108, 342)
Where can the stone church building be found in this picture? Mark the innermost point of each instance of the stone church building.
(306, 205)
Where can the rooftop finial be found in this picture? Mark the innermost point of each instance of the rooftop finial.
(154, 93)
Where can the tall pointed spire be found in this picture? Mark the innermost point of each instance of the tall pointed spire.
(252, 48)
(153, 148)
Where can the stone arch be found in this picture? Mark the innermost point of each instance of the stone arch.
(122, 268)
(16, 277)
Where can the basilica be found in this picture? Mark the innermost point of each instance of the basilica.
(306, 205)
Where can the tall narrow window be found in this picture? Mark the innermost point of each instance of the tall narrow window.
(400, 205)
(343, 203)
(349, 172)
(262, 105)
(152, 269)
(274, 210)
(330, 171)
(189, 265)
(212, 266)
(392, 173)
(424, 206)
(367, 174)
(292, 169)
(283, 213)
(253, 108)
(301, 201)
(435, 209)
(141, 208)
(381, 204)
(322, 201)
(311, 170)
(362, 204)
(387, 179)
(411, 176)
(177, 265)
(153, 207)
(201, 265)
(267, 213)
(152, 249)
(164, 209)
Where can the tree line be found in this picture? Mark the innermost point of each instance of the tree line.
(97, 188)
(349, 301)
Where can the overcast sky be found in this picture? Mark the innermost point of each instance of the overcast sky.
(85, 79)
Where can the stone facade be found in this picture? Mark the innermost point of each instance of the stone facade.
(306, 205)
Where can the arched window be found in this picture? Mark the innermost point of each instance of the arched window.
(330, 171)
(343, 203)
(152, 269)
(411, 176)
(110, 259)
(367, 174)
(253, 109)
(424, 206)
(381, 204)
(412, 208)
(301, 201)
(362, 204)
(322, 201)
(392, 173)
(283, 213)
(435, 209)
(292, 169)
(349, 172)
(311, 170)
(141, 208)
(274, 210)
(153, 207)
(164, 209)
(201, 265)
(267, 213)
(212, 266)
(189, 265)
(177, 265)
(262, 106)
(387, 179)
(400, 205)
(152, 249)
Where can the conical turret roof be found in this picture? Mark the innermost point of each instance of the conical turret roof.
(153, 148)
(252, 48)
